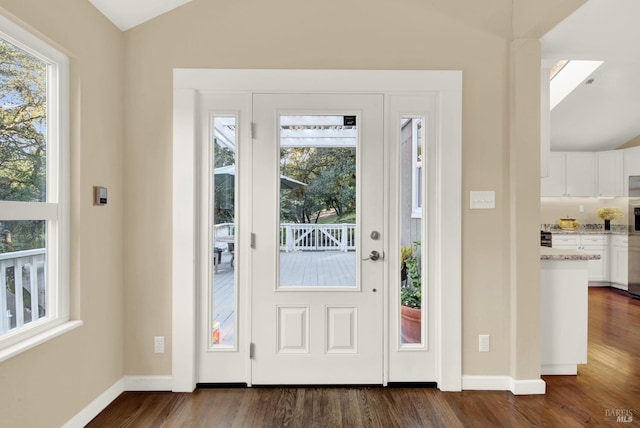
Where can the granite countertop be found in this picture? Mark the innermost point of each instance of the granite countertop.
(587, 229)
(547, 253)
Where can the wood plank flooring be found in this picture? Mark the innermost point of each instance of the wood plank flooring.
(608, 384)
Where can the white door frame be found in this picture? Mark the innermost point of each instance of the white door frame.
(446, 85)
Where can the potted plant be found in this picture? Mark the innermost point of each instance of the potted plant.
(410, 294)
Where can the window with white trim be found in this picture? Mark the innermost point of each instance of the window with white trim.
(34, 188)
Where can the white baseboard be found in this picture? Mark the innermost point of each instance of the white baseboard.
(127, 383)
(528, 387)
(503, 383)
(559, 369)
(486, 383)
(85, 416)
(148, 383)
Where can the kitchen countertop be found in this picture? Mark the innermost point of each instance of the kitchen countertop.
(547, 253)
(587, 229)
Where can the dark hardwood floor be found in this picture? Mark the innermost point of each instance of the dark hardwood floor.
(606, 387)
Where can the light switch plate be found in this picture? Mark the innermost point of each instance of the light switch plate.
(99, 195)
(482, 200)
(158, 344)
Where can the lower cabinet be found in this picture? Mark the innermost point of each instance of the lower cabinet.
(619, 263)
(613, 249)
(592, 243)
(598, 269)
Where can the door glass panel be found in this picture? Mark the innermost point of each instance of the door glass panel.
(223, 295)
(317, 227)
(412, 289)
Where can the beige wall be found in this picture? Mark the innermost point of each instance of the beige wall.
(473, 36)
(47, 385)
(122, 252)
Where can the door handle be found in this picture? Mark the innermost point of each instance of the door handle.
(374, 255)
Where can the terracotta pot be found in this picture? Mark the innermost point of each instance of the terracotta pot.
(410, 320)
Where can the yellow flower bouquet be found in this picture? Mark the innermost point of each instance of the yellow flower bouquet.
(608, 213)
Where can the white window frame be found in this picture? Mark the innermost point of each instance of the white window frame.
(55, 211)
(417, 168)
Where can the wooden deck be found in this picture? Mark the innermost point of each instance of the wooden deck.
(318, 268)
(306, 268)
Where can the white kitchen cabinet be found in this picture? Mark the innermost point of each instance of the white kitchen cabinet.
(554, 184)
(570, 174)
(619, 263)
(590, 173)
(570, 242)
(610, 180)
(581, 174)
(598, 244)
(598, 269)
(592, 243)
(631, 166)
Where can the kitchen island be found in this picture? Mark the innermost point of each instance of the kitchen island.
(564, 282)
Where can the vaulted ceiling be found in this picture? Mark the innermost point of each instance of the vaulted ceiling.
(126, 14)
(604, 114)
(600, 116)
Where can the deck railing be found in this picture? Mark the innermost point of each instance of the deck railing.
(224, 229)
(22, 288)
(317, 237)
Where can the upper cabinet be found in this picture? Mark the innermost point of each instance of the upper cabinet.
(631, 166)
(581, 174)
(610, 180)
(554, 184)
(570, 174)
(587, 174)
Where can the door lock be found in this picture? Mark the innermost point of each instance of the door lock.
(374, 255)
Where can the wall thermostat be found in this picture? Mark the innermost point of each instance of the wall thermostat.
(99, 195)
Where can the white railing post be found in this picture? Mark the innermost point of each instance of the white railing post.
(289, 238)
(33, 288)
(16, 261)
(4, 322)
(344, 238)
(17, 277)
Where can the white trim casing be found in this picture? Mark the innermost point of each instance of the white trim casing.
(56, 210)
(42, 336)
(448, 85)
(183, 363)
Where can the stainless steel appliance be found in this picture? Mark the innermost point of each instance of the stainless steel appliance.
(634, 236)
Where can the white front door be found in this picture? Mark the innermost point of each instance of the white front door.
(317, 287)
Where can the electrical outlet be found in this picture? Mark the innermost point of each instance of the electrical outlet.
(581, 208)
(484, 343)
(158, 344)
